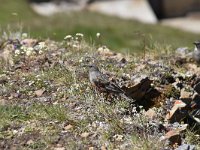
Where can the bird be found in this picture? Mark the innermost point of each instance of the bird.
(102, 82)
(196, 52)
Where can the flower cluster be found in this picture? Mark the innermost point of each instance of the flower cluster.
(27, 50)
(74, 42)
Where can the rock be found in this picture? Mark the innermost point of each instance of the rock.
(129, 9)
(2, 101)
(29, 142)
(197, 88)
(85, 134)
(51, 8)
(59, 148)
(186, 96)
(186, 147)
(68, 127)
(176, 114)
(173, 136)
(6, 55)
(39, 92)
(106, 53)
(29, 42)
(182, 51)
(103, 147)
(91, 148)
(151, 114)
(193, 68)
(138, 89)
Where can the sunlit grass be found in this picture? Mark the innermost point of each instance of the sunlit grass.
(118, 34)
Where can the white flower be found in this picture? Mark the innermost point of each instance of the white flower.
(81, 60)
(17, 52)
(29, 51)
(98, 35)
(75, 46)
(40, 51)
(118, 137)
(79, 34)
(23, 47)
(42, 45)
(24, 35)
(68, 37)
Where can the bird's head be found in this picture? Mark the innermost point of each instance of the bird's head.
(93, 68)
(197, 44)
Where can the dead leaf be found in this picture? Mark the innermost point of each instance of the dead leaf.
(85, 134)
(91, 148)
(59, 148)
(68, 127)
(39, 92)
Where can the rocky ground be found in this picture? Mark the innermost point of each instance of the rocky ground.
(47, 101)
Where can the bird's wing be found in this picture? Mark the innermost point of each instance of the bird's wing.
(101, 80)
(113, 87)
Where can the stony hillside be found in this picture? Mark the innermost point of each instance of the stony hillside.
(47, 101)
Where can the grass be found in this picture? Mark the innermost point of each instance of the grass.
(118, 34)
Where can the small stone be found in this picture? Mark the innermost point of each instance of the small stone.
(103, 147)
(68, 127)
(150, 114)
(2, 101)
(59, 148)
(91, 148)
(179, 104)
(185, 95)
(29, 142)
(173, 136)
(85, 134)
(176, 114)
(39, 92)
(186, 147)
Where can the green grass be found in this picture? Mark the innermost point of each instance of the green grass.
(118, 34)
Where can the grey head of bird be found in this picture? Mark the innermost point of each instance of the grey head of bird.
(197, 44)
(93, 68)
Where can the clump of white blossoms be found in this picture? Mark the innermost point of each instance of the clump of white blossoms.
(69, 40)
(79, 37)
(17, 52)
(74, 42)
(24, 35)
(98, 35)
(29, 51)
(41, 47)
(68, 37)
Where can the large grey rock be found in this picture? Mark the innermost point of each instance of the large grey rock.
(128, 9)
(50, 8)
